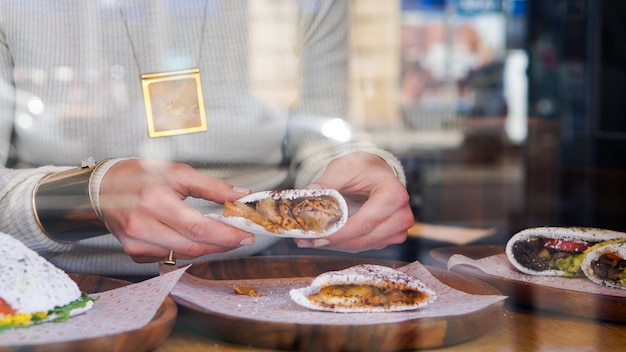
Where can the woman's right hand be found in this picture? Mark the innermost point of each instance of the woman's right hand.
(143, 206)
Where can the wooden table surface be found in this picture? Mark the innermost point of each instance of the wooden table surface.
(519, 330)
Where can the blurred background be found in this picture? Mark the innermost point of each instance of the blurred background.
(506, 114)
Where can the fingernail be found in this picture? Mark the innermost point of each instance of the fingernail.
(247, 242)
(320, 243)
(241, 190)
(314, 186)
(304, 244)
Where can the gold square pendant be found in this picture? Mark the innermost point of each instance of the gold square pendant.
(174, 102)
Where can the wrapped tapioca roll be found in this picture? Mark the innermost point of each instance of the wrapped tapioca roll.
(555, 251)
(296, 213)
(33, 290)
(364, 288)
(606, 264)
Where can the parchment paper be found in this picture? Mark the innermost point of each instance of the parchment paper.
(218, 297)
(116, 311)
(499, 265)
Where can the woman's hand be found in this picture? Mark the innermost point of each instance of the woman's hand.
(142, 203)
(378, 202)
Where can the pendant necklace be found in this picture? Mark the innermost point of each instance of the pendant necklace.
(173, 99)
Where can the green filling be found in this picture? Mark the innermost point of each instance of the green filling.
(61, 313)
(571, 265)
(64, 312)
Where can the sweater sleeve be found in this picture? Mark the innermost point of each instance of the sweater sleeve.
(312, 159)
(16, 185)
(7, 100)
(16, 209)
(318, 131)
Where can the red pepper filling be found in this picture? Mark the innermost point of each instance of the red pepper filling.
(577, 246)
(5, 308)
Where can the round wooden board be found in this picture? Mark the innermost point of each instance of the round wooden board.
(143, 339)
(413, 334)
(580, 304)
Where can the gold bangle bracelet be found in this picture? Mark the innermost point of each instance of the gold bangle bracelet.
(63, 207)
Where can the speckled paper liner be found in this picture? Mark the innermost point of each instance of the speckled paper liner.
(218, 297)
(499, 265)
(116, 311)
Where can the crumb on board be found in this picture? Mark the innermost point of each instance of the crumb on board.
(247, 291)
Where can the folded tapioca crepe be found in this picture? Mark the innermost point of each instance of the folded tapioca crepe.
(606, 264)
(364, 288)
(297, 213)
(556, 251)
(33, 290)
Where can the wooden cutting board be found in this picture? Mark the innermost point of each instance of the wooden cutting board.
(413, 334)
(144, 339)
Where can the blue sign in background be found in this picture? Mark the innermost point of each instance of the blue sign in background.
(467, 7)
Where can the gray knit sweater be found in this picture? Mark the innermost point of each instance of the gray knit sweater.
(70, 89)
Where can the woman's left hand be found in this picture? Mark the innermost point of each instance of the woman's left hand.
(378, 203)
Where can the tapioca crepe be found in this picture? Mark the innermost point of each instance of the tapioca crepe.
(364, 288)
(556, 251)
(295, 213)
(33, 290)
(606, 264)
